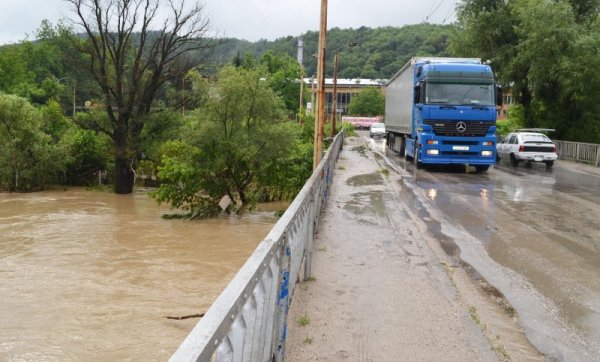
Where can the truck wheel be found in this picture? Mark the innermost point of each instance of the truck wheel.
(402, 146)
(416, 158)
(481, 168)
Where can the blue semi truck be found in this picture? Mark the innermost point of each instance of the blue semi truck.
(443, 111)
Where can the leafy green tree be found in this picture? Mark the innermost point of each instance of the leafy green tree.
(284, 72)
(546, 52)
(88, 153)
(235, 140)
(29, 159)
(368, 102)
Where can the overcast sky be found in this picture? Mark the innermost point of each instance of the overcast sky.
(252, 19)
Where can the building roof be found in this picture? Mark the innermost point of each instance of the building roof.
(345, 82)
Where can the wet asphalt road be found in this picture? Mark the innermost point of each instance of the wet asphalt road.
(532, 233)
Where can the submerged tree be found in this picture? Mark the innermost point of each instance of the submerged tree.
(133, 53)
(232, 146)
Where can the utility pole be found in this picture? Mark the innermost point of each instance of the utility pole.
(320, 116)
(300, 60)
(334, 115)
(334, 100)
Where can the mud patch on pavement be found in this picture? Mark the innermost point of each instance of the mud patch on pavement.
(362, 149)
(366, 180)
(364, 203)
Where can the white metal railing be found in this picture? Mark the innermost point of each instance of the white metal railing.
(586, 152)
(248, 320)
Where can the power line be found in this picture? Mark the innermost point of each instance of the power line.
(432, 12)
(429, 11)
(449, 15)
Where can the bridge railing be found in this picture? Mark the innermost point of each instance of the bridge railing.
(247, 322)
(585, 152)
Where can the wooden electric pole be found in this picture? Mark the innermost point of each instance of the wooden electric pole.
(320, 115)
(334, 113)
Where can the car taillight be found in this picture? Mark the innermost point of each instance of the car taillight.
(554, 149)
(521, 148)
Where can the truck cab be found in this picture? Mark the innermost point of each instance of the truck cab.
(443, 111)
(455, 114)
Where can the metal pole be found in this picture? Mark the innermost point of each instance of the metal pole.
(320, 118)
(74, 85)
(312, 95)
(301, 93)
(334, 115)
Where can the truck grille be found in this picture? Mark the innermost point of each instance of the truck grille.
(453, 128)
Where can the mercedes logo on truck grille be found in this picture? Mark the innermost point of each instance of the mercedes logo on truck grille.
(461, 127)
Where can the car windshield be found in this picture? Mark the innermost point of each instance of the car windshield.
(460, 94)
(378, 125)
(534, 138)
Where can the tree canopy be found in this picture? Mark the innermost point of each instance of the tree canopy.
(547, 55)
(368, 102)
(232, 146)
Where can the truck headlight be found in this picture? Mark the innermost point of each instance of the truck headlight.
(433, 152)
(487, 153)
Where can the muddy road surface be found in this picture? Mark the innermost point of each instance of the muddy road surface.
(530, 232)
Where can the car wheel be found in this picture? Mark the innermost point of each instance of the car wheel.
(481, 168)
(513, 160)
(549, 164)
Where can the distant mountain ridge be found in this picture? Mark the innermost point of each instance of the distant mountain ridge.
(379, 53)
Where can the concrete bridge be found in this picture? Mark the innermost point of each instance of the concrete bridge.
(378, 261)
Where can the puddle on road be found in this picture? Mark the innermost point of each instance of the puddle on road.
(366, 180)
(366, 203)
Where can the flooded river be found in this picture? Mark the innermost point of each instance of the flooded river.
(90, 275)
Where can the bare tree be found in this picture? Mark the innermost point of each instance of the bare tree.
(135, 47)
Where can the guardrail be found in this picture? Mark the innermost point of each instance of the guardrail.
(248, 320)
(585, 152)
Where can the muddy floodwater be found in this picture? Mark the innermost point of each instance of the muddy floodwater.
(90, 275)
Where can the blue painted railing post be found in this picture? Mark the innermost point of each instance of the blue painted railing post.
(283, 299)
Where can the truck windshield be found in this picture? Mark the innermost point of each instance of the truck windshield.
(460, 94)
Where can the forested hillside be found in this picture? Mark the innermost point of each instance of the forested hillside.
(378, 53)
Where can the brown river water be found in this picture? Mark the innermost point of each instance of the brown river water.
(88, 275)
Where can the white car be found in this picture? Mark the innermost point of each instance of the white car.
(527, 146)
(377, 129)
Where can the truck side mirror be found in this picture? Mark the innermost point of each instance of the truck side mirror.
(499, 95)
(418, 93)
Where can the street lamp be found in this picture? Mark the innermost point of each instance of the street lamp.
(335, 70)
